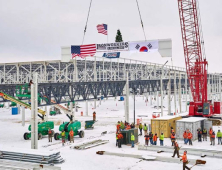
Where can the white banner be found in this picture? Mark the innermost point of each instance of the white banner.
(112, 47)
(144, 46)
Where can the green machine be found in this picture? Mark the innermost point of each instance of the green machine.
(43, 128)
(67, 126)
(25, 91)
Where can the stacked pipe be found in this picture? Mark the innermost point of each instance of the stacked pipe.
(34, 156)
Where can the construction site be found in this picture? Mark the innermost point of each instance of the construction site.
(122, 105)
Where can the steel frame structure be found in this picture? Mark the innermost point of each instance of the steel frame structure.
(82, 70)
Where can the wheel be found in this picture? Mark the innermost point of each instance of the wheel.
(68, 138)
(56, 136)
(39, 136)
(26, 137)
(81, 134)
(53, 132)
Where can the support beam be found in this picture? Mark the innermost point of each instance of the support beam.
(34, 120)
(127, 98)
(87, 107)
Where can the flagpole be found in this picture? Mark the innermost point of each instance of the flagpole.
(107, 33)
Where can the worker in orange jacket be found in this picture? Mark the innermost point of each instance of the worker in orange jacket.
(155, 139)
(147, 139)
(190, 136)
(120, 138)
(185, 137)
(71, 136)
(118, 127)
(213, 139)
(185, 161)
(173, 138)
(210, 133)
(176, 150)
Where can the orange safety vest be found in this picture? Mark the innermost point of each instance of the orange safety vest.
(184, 158)
(172, 136)
(118, 126)
(154, 138)
(71, 133)
(50, 132)
(190, 135)
(210, 132)
(185, 135)
(120, 136)
(212, 136)
(146, 138)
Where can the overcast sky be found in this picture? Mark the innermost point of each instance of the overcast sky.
(36, 29)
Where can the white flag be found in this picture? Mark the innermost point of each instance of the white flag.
(144, 46)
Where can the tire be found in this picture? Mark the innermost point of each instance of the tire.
(56, 136)
(39, 136)
(81, 134)
(26, 136)
(53, 132)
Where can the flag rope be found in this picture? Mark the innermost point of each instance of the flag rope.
(86, 22)
(141, 19)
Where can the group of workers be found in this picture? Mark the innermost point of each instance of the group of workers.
(63, 136)
(212, 136)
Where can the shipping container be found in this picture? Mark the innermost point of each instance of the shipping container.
(164, 124)
(192, 123)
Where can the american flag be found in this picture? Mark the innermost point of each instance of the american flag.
(102, 28)
(83, 50)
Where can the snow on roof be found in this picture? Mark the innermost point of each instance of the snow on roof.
(192, 119)
(167, 117)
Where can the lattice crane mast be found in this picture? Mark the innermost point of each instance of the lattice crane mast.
(196, 63)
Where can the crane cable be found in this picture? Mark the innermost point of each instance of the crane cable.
(86, 21)
(141, 19)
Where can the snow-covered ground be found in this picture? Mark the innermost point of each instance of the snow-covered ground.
(108, 113)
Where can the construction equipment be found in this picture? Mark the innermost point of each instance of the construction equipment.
(195, 59)
(89, 124)
(67, 126)
(42, 126)
(55, 111)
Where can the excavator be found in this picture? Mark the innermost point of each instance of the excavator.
(195, 59)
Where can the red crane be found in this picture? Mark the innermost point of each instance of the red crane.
(196, 64)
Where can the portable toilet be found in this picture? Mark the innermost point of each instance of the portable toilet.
(14, 110)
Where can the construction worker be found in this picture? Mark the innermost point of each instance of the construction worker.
(210, 133)
(128, 127)
(94, 116)
(145, 128)
(122, 126)
(146, 139)
(155, 139)
(151, 138)
(117, 127)
(141, 129)
(185, 161)
(176, 150)
(63, 135)
(132, 139)
(120, 137)
(50, 135)
(117, 138)
(204, 134)
(173, 138)
(132, 126)
(161, 139)
(219, 136)
(199, 135)
(172, 130)
(213, 139)
(71, 135)
(185, 137)
(190, 136)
